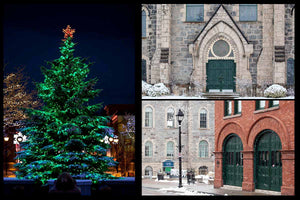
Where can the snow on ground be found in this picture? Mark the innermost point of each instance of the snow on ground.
(184, 191)
(200, 97)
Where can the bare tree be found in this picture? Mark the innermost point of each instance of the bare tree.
(16, 98)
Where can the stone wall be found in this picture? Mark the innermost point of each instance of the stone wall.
(192, 134)
(273, 20)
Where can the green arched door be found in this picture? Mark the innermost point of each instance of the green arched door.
(232, 161)
(268, 167)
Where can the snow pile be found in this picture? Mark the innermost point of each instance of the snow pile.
(184, 191)
(158, 89)
(145, 87)
(275, 91)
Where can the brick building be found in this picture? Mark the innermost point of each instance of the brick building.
(238, 48)
(254, 145)
(160, 136)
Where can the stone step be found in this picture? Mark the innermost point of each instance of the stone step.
(221, 95)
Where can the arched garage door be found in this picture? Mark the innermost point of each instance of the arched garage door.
(232, 161)
(268, 167)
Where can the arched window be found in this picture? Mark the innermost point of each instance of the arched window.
(170, 149)
(148, 117)
(203, 118)
(148, 149)
(203, 149)
(203, 170)
(143, 23)
(148, 171)
(170, 118)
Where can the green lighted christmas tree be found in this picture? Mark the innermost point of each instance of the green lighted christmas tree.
(66, 135)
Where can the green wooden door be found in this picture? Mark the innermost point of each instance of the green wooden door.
(233, 161)
(268, 167)
(220, 75)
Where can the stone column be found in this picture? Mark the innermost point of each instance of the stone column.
(163, 40)
(265, 63)
(279, 72)
(248, 173)
(288, 172)
(218, 182)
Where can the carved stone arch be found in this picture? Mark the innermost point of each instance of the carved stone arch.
(221, 25)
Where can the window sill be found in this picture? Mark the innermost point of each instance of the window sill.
(194, 21)
(232, 116)
(148, 127)
(266, 110)
(203, 128)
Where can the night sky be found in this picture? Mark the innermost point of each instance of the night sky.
(105, 33)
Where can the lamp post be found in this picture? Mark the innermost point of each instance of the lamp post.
(6, 139)
(180, 116)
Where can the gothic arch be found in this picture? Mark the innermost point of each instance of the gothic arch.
(220, 26)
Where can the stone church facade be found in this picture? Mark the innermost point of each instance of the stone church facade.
(160, 136)
(203, 48)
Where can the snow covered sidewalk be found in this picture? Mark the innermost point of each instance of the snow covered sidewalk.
(170, 187)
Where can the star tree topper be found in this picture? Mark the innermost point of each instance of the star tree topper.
(68, 32)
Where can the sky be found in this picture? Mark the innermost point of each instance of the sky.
(105, 33)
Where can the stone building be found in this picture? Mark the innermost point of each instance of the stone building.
(255, 145)
(160, 136)
(237, 48)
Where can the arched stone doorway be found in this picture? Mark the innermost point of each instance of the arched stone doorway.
(221, 67)
(220, 27)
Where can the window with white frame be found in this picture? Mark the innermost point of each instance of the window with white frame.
(148, 117)
(170, 149)
(260, 104)
(203, 118)
(273, 103)
(203, 149)
(148, 149)
(227, 108)
(237, 107)
(170, 118)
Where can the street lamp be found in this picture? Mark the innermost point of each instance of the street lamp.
(179, 117)
(6, 139)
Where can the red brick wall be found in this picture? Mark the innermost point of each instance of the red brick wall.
(248, 125)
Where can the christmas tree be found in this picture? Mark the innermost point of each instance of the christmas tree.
(66, 135)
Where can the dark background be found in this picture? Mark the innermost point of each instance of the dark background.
(105, 33)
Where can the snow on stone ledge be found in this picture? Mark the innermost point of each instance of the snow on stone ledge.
(158, 89)
(275, 91)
